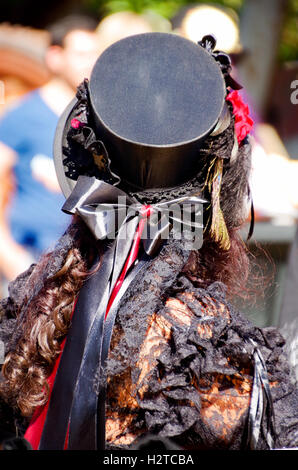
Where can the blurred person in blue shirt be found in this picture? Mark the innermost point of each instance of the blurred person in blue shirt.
(33, 220)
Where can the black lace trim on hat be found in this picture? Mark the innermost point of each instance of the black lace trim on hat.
(85, 154)
(208, 42)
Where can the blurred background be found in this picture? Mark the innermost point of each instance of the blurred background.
(39, 71)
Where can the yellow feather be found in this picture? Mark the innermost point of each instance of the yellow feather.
(218, 229)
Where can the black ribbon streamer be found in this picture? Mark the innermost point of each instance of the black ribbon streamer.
(75, 407)
(261, 406)
(252, 221)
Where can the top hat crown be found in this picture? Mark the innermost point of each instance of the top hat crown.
(153, 100)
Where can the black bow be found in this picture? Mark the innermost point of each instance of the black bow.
(110, 213)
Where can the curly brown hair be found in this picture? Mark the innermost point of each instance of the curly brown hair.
(48, 316)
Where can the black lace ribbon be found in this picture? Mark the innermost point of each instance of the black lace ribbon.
(261, 406)
(208, 42)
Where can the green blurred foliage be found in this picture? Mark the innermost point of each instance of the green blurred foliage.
(288, 50)
(166, 8)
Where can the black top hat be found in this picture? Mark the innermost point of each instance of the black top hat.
(151, 101)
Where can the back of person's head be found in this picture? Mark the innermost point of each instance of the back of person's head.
(120, 25)
(59, 29)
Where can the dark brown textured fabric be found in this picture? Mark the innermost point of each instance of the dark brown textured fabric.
(182, 361)
(192, 379)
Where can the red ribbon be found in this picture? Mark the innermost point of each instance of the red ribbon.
(243, 121)
(145, 212)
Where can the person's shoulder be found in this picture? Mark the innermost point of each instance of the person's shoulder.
(21, 102)
(22, 119)
(22, 107)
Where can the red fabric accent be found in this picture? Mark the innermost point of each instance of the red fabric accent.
(34, 431)
(145, 212)
(66, 438)
(243, 122)
(76, 124)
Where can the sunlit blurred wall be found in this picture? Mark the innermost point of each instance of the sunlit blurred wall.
(119, 25)
(196, 21)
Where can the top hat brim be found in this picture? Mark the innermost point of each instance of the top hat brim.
(66, 184)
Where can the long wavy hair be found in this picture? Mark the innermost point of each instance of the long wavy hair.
(47, 319)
